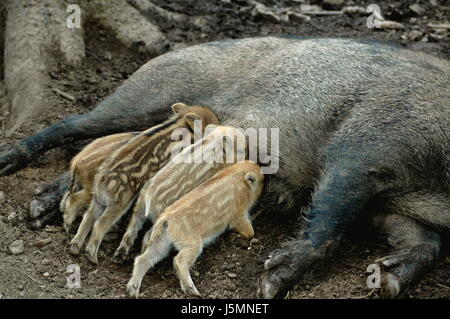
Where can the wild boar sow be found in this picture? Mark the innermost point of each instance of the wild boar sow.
(358, 120)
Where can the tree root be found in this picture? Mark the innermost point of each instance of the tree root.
(36, 28)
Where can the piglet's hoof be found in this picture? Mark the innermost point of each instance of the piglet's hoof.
(74, 248)
(120, 255)
(92, 254)
(133, 289)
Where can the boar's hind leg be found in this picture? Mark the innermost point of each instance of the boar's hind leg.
(343, 189)
(416, 250)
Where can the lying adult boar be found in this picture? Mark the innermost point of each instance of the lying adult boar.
(359, 121)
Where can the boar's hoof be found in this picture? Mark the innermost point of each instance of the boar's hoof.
(37, 208)
(12, 160)
(271, 286)
(400, 272)
(275, 282)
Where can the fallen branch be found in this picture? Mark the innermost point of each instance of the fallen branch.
(63, 94)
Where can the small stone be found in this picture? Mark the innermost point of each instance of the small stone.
(2, 198)
(45, 274)
(20, 287)
(195, 273)
(254, 241)
(42, 242)
(231, 274)
(22, 294)
(416, 8)
(51, 229)
(16, 247)
(12, 216)
(415, 35)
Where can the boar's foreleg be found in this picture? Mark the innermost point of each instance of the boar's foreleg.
(45, 206)
(416, 250)
(345, 186)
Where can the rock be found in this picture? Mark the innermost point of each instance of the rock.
(415, 35)
(42, 242)
(45, 274)
(231, 274)
(16, 247)
(12, 216)
(417, 9)
(2, 198)
(51, 229)
(264, 12)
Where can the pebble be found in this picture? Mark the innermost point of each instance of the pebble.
(2, 198)
(231, 274)
(416, 8)
(12, 216)
(42, 242)
(16, 247)
(415, 35)
(195, 273)
(45, 274)
(51, 229)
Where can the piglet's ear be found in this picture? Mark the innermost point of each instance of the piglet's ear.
(180, 108)
(191, 118)
(251, 179)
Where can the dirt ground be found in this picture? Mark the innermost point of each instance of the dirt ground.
(230, 267)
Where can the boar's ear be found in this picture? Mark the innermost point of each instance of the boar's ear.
(251, 179)
(191, 118)
(180, 108)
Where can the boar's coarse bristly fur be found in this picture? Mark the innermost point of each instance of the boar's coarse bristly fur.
(359, 121)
